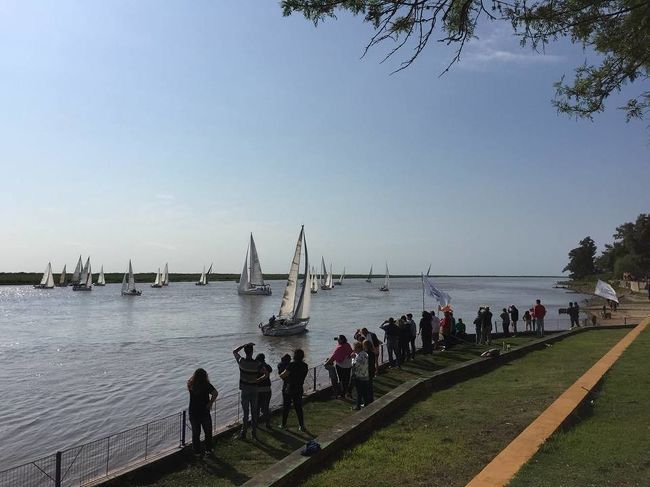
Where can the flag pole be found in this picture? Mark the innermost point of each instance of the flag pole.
(422, 275)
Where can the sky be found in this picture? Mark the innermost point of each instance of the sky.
(167, 131)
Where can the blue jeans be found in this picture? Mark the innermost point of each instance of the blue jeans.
(392, 345)
(363, 392)
(540, 327)
(249, 407)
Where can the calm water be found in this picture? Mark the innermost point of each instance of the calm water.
(77, 366)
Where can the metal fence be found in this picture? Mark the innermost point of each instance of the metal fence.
(90, 462)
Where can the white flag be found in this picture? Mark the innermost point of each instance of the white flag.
(443, 298)
(606, 291)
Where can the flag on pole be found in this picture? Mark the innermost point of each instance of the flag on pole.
(606, 291)
(443, 298)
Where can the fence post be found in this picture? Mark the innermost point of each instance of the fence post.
(184, 418)
(625, 320)
(315, 369)
(108, 452)
(238, 404)
(381, 354)
(146, 441)
(57, 470)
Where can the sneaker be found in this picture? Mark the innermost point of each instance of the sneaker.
(302, 428)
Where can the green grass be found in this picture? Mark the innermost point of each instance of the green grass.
(610, 443)
(235, 461)
(447, 438)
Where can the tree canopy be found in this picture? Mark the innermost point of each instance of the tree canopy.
(630, 251)
(581, 259)
(617, 30)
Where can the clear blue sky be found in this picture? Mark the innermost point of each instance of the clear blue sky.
(166, 131)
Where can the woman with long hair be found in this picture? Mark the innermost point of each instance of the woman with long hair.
(294, 377)
(202, 396)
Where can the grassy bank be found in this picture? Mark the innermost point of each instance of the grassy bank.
(450, 436)
(235, 461)
(610, 443)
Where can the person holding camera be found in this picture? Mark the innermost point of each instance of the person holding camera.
(341, 357)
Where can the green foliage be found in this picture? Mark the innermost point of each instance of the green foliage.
(618, 31)
(581, 259)
(630, 251)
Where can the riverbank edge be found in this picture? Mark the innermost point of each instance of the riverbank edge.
(354, 429)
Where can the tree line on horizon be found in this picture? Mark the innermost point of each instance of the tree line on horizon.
(628, 254)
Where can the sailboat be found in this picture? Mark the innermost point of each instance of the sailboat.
(428, 270)
(313, 283)
(76, 275)
(62, 282)
(128, 283)
(369, 275)
(251, 280)
(326, 277)
(101, 280)
(385, 287)
(165, 276)
(158, 281)
(341, 277)
(293, 317)
(203, 280)
(47, 281)
(86, 278)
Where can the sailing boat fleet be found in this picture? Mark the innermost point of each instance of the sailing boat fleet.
(294, 313)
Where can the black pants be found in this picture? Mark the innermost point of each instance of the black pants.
(200, 420)
(344, 379)
(412, 343)
(404, 349)
(426, 341)
(263, 401)
(296, 399)
(506, 328)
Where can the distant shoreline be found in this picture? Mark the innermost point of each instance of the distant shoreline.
(29, 278)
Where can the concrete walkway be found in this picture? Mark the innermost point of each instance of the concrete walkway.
(507, 463)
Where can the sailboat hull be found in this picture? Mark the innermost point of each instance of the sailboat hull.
(81, 288)
(157, 286)
(384, 289)
(284, 328)
(256, 291)
(42, 286)
(200, 283)
(131, 293)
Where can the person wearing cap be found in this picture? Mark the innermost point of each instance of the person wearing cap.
(341, 356)
(251, 373)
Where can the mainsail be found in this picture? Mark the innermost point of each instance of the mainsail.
(369, 275)
(304, 300)
(62, 278)
(341, 277)
(255, 278)
(101, 280)
(165, 276)
(89, 278)
(76, 275)
(386, 278)
(158, 280)
(47, 281)
(84, 272)
(243, 278)
(290, 291)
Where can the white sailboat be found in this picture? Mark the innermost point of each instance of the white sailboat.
(47, 281)
(76, 275)
(428, 270)
(293, 317)
(203, 280)
(251, 280)
(86, 278)
(128, 283)
(313, 283)
(101, 280)
(386, 286)
(62, 282)
(165, 276)
(369, 275)
(341, 277)
(158, 281)
(326, 277)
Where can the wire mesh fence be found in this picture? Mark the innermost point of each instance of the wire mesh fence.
(83, 464)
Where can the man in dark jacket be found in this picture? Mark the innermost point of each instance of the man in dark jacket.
(392, 341)
(486, 326)
(514, 317)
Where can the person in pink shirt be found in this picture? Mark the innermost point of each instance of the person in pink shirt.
(539, 312)
(341, 357)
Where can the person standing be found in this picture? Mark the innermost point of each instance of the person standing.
(294, 375)
(404, 338)
(414, 333)
(539, 312)
(341, 357)
(264, 392)
(435, 329)
(528, 319)
(425, 332)
(361, 375)
(576, 310)
(445, 330)
(478, 324)
(514, 318)
(392, 341)
(372, 370)
(251, 374)
(202, 397)
(486, 326)
(505, 322)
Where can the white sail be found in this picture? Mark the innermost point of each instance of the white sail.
(314, 281)
(205, 276)
(429, 270)
(243, 278)
(131, 278)
(84, 272)
(44, 278)
(125, 282)
(369, 275)
(165, 276)
(341, 277)
(101, 280)
(323, 271)
(89, 278)
(256, 278)
(49, 279)
(62, 278)
(158, 280)
(328, 279)
(386, 278)
(304, 299)
(289, 297)
(202, 279)
(76, 275)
